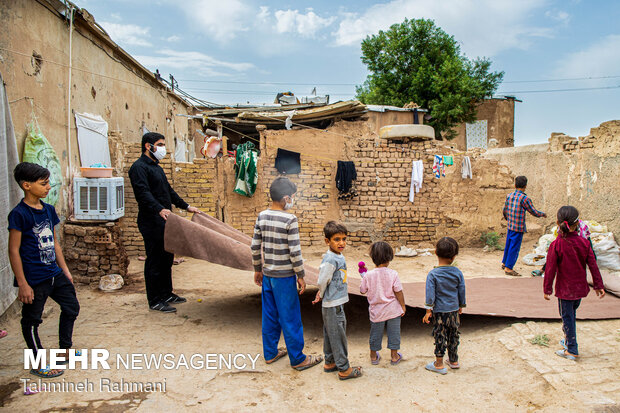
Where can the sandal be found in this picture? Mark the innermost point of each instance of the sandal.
(281, 353)
(512, 273)
(564, 353)
(310, 361)
(454, 366)
(375, 361)
(46, 373)
(355, 373)
(398, 360)
(331, 369)
(3, 333)
(431, 367)
(503, 267)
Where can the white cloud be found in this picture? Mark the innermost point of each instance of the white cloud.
(196, 61)
(558, 15)
(174, 38)
(307, 25)
(484, 27)
(220, 19)
(595, 61)
(127, 34)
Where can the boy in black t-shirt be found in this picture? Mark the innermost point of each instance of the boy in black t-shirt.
(38, 263)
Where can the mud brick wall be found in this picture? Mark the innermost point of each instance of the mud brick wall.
(449, 206)
(194, 182)
(312, 200)
(94, 249)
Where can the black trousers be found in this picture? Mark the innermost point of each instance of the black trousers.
(446, 333)
(158, 264)
(61, 290)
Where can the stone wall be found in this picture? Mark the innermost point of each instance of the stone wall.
(94, 249)
(581, 172)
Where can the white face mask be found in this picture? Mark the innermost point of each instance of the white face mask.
(290, 204)
(160, 152)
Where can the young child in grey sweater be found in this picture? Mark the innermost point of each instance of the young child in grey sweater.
(333, 291)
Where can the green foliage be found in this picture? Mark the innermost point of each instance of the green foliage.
(540, 340)
(492, 240)
(417, 61)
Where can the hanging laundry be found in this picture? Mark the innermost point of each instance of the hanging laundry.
(245, 169)
(417, 174)
(439, 169)
(288, 162)
(345, 175)
(466, 168)
(448, 160)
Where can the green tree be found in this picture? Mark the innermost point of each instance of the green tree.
(417, 61)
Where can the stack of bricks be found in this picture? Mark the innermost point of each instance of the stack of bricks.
(94, 249)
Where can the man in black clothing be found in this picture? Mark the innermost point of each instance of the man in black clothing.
(155, 197)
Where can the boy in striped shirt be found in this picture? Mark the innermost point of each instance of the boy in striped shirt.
(276, 240)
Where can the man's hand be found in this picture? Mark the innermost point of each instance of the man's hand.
(25, 294)
(317, 298)
(302, 285)
(194, 210)
(547, 297)
(258, 278)
(600, 293)
(427, 317)
(164, 213)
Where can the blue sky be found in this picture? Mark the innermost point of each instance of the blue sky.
(239, 51)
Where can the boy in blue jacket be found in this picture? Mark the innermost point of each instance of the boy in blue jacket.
(445, 299)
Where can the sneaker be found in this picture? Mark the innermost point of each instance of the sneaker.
(163, 307)
(175, 299)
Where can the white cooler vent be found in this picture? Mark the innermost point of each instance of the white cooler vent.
(99, 198)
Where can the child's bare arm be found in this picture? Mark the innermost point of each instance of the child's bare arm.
(25, 294)
(60, 258)
(401, 299)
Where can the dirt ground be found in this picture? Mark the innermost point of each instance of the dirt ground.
(501, 370)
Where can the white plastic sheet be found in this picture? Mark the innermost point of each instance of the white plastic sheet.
(92, 139)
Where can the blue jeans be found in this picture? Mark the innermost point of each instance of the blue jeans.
(568, 312)
(393, 333)
(512, 248)
(282, 315)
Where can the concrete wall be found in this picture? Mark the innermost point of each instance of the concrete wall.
(105, 81)
(500, 117)
(567, 171)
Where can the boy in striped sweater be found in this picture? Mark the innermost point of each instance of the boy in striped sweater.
(276, 240)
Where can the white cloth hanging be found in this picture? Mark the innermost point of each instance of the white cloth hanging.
(92, 134)
(417, 175)
(466, 168)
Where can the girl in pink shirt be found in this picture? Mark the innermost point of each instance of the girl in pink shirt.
(386, 302)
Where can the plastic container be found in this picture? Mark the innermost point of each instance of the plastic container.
(97, 172)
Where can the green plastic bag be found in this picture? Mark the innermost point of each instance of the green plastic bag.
(38, 150)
